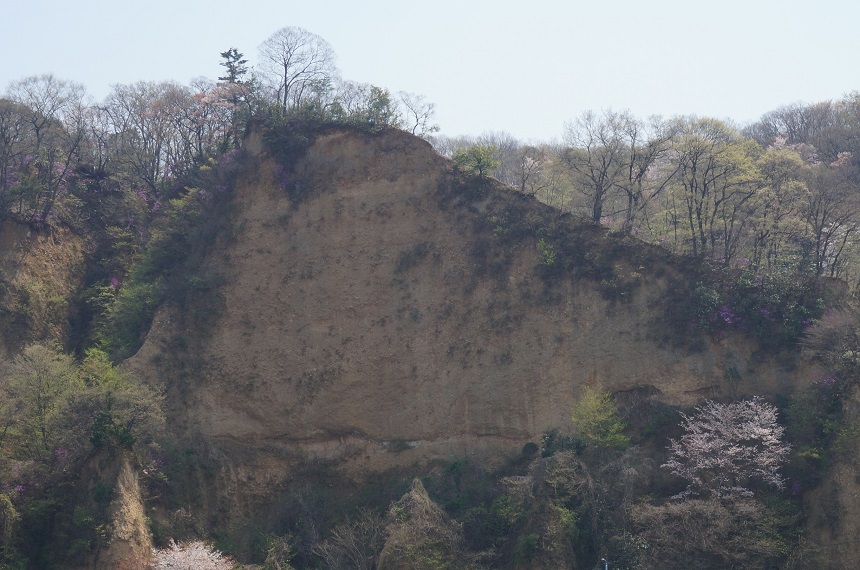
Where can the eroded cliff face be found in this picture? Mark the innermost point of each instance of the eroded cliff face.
(41, 273)
(361, 324)
(833, 507)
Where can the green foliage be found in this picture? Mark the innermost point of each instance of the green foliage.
(55, 406)
(818, 428)
(288, 136)
(279, 553)
(775, 308)
(40, 381)
(526, 547)
(489, 527)
(596, 420)
(8, 521)
(477, 160)
(97, 370)
(547, 253)
(234, 65)
(168, 268)
(57, 414)
(367, 107)
(460, 486)
(421, 536)
(108, 431)
(129, 317)
(86, 529)
(660, 418)
(39, 308)
(289, 132)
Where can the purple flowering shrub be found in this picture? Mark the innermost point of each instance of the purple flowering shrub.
(773, 308)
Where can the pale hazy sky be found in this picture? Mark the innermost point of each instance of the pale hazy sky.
(524, 67)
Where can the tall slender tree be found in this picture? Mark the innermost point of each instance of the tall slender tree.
(234, 64)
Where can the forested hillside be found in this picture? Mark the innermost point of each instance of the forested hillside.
(776, 195)
(258, 314)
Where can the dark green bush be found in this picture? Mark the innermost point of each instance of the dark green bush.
(774, 308)
(553, 441)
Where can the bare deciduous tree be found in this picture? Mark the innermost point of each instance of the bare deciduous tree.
(298, 62)
(355, 543)
(419, 114)
(596, 156)
(831, 209)
(55, 112)
(708, 534)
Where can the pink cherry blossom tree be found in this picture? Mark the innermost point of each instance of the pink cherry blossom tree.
(727, 446)
(195, 555)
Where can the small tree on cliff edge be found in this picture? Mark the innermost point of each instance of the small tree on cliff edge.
(726, 446)
(477, 160)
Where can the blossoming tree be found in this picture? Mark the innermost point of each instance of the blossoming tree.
(727, 446)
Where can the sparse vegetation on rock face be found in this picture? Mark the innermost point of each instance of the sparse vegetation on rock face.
(41, 273)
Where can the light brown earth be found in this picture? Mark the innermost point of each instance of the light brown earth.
(40, 275)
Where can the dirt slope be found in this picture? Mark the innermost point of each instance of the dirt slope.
(40, 275)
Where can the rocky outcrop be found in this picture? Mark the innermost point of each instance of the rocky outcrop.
(130, 545)
(420, 536)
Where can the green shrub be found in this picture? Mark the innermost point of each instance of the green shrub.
(130, 316)
(477, 160)
(526, 547)
(8, 521)
(596, 420)
(547, 253)
(553, 441)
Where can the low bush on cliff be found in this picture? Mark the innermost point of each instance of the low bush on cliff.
(289, 133)
(774, 307)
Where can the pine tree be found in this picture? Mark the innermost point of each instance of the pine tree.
(235, 66)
